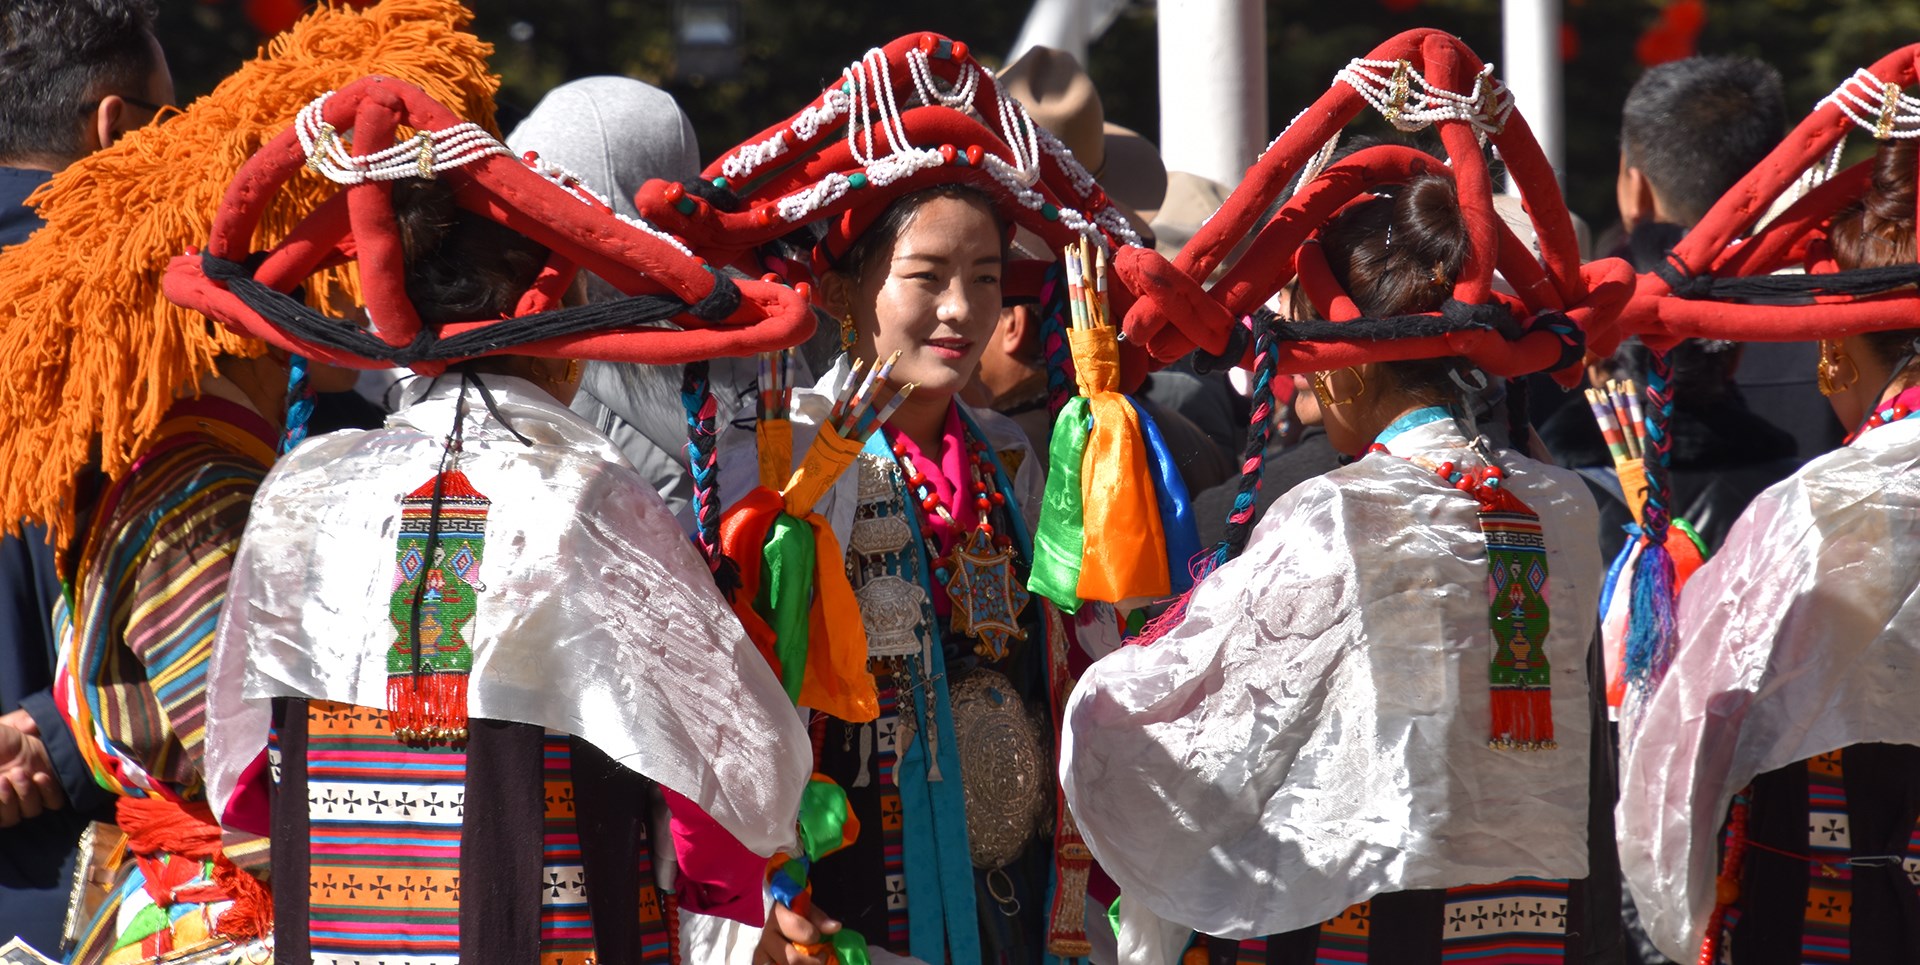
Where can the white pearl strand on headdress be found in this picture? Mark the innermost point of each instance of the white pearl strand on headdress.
(429, 153)
(423, 155)
(866, 99)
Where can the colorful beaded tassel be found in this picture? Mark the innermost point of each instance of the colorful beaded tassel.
(443, 527)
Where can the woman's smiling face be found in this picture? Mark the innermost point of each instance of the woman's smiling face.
(934, 296)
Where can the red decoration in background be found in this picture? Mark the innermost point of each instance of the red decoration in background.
(1400, 6)
(1569, 43)
(272, 16)
(1675, 35)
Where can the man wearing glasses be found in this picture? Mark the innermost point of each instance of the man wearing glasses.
(76, 75)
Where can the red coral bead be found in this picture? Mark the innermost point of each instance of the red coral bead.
(930, 503)
(948, 153)
(974, 154)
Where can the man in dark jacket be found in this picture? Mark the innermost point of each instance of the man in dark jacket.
(78, 74)
(1689, 130)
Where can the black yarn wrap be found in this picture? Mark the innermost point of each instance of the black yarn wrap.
(1797, 289)
(296, 318)
(1455, 316)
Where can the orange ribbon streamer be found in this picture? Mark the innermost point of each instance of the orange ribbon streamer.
(1126, 546)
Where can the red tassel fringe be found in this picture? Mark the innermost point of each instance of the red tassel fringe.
(1522, 719)
(427, 709)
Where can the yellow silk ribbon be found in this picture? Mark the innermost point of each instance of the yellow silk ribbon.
(774, 440)
(1126, 546)
(826, 459)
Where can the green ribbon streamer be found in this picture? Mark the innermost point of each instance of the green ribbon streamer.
(1060, 539)
(1113, 917)
(786, 595)
(850, 948)
(823, 818)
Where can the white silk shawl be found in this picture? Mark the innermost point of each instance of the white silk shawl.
(1314, 732)
(1802, 636)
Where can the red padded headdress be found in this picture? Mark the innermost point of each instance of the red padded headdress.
(916, 113)
(1417, 79)
(715, 315)
(1716, 285)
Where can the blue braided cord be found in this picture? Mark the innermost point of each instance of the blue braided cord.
(1652, 631)
(1053, 338)
(300, 397)
(1253, 458)
(695, 391)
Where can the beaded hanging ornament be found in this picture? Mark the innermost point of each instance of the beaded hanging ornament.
(978, 573)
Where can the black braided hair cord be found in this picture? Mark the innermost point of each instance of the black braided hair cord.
(1793, 289)
(303, 322)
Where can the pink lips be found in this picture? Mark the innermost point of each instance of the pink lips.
(951, 348)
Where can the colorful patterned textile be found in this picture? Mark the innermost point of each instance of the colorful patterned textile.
(1522, 921)
(146, 597)
(1829, 875)
(137, 627)
(386, 823)
(566, 924)
(385, 840)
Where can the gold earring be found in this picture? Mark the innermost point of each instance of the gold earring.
(1323, 390)
(573, 371)
(847, 333)
(1832, 359)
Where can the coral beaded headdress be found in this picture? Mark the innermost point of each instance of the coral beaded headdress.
(1780, 283)
(712, 315)
(1418, 79)
(96, 353)
(916, 113)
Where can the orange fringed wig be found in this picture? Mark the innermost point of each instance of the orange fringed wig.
(94, 353)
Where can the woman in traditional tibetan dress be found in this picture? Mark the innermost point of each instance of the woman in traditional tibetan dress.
(946, 762)
(481, 637)
(139, 433)
(1370, 736)
(1770, 803)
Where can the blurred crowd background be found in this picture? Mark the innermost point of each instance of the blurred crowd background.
(737, 65)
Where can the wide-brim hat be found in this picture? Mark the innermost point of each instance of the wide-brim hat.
(1190, 200)
(1060, 96)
